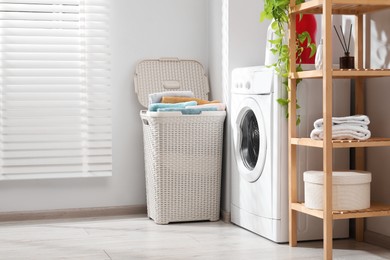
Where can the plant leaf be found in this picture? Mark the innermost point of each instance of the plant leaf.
(313, 48)
(276, 41)
(304, 36)
(274, 25)
(283, 101)
(298, 121)
(263, 16)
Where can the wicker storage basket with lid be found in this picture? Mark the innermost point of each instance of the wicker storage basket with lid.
(350, 191)
(183, 153)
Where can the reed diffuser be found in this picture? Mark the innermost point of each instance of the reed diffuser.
(346, 62)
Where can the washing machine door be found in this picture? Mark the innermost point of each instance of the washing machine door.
(249, 137)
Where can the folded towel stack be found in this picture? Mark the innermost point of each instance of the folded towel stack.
(182, 101)
(167, 99)
(349, 127)
(156, 97)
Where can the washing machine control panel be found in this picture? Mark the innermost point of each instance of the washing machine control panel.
(240, 85)
(252, 80)
(248, 85)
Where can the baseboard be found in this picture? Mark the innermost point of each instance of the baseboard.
(225, 216)
(72, 213)
(377, 239)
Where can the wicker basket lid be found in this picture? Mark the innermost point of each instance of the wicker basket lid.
(169, 74)
(339, 177)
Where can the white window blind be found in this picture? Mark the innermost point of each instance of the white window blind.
(55, 108)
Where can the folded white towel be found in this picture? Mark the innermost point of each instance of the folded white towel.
(156, 97)
(358, 120)
(343, 131)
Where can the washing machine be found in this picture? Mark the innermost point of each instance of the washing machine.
(259, 174)
(259, 191)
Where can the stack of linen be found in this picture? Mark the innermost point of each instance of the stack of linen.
(182, 101)
(344, 128)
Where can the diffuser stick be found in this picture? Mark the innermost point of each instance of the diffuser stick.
(342, 45)
(345, 42)
(349, 40)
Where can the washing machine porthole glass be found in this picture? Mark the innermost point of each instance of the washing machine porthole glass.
(250, 142)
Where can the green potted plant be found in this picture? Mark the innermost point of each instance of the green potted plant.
(277, 11)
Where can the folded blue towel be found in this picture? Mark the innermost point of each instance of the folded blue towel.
(188, 110)
(155, 106)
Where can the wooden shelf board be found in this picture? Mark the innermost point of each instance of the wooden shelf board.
(307, 74)
(307, 142)
(300, 207)
(376, 210)
(343, 6)
(339, 73)
(372, 142)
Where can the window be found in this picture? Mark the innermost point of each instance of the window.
(55, 112)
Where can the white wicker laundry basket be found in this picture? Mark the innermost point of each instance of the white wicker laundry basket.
(183, 153)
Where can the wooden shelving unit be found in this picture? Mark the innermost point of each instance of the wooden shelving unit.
(328, 8)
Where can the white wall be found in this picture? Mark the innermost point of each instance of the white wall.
(377, 108)
(247, 36)
(245, 47)
(140, 30)
(219, 89)
(215, 48)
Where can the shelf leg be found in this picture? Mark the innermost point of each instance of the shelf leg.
(292, 177)
(293, 228)
(328, 238)
(327, 116)
(359, 229)
(359, 109)
(292, 132)
(360, 162)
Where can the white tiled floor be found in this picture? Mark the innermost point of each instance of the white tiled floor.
(137, 237)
